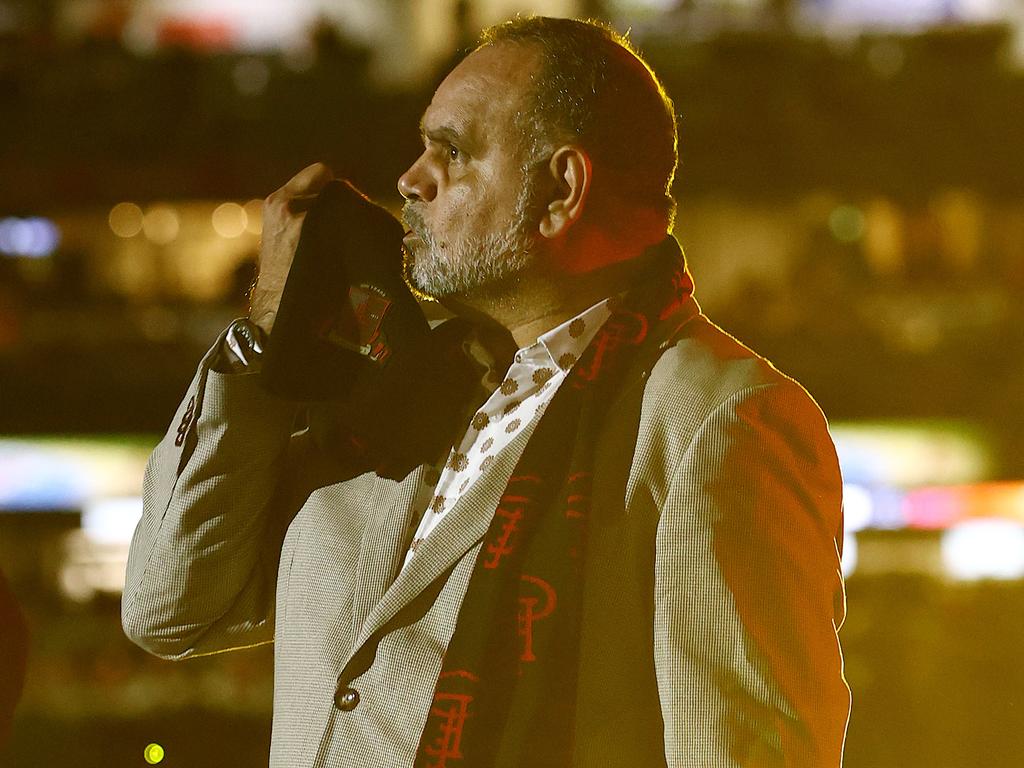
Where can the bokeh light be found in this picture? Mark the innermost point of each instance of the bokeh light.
(849, 560)
(125, 220)
(857, 507)
(229, 220)
(846, 223)
(33, 237)
(153, 753)
(254, 217)
(161, 224)
(984, 549)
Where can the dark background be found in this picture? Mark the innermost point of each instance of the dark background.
(850, 201)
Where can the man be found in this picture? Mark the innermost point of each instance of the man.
(629, 557)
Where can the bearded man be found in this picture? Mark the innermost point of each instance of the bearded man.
(627, 555)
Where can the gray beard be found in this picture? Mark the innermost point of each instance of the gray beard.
(472, 264)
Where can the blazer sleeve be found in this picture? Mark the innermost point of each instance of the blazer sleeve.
(202, 566)
(749, 594)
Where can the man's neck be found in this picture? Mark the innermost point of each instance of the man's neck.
(533, 304)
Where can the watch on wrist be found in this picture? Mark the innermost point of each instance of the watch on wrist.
(245, 340)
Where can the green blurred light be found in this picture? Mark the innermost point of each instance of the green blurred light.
(846, 223)
(153, 753)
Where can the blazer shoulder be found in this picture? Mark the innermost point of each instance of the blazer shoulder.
(705, 373)
(705, 366)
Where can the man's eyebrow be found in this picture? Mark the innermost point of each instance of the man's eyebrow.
(443, 133)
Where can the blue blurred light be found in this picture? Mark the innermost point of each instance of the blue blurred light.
(34, 237)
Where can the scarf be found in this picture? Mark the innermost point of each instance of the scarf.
(507, 689)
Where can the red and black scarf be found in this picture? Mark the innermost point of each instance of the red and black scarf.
(507, 690)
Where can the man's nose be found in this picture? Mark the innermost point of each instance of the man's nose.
(417, 183)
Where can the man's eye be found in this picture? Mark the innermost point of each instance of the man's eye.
(453, 152)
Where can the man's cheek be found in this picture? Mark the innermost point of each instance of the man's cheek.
(459, 226)
(445, 232)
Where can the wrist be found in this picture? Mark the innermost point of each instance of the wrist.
(263, 310)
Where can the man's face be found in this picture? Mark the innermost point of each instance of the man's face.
(468, 198)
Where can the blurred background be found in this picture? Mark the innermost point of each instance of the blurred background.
(851, 198)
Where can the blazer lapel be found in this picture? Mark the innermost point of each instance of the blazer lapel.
(383, 544)
(455, 534)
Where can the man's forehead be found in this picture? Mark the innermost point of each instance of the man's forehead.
(488, 84)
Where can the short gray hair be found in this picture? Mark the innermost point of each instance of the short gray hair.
(595, 89)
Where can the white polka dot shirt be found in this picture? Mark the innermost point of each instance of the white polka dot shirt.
(531, 381)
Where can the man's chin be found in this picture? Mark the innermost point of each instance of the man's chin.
(410, 273)
(423, 277)
(449, 283)
(423, 289)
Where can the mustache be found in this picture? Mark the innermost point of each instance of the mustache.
(413, 219)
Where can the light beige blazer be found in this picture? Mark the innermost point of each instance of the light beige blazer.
(713, 590)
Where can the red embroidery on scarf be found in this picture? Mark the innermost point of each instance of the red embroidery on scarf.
(504, 545)
(577, 504)
(451, 709)
(528, 612)
(621, 328)
(511, 508)
(575, 500)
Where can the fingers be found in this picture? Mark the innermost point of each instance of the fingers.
(302, 189)
(309, 181)
(300, 204)
(283, 213)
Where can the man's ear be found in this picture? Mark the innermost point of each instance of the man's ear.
(571, 171)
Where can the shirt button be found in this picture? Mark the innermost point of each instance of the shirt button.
(346, 699)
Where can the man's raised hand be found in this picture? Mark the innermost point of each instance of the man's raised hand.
(283, 213)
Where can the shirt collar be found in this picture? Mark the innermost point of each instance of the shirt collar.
(563, 345)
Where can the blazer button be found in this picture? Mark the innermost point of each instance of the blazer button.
(346, 699)
(186, 422)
